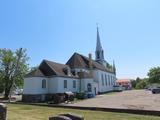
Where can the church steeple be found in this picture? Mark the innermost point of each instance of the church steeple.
(99, 50)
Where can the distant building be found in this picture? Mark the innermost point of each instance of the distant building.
(79, 74)
(124, 83)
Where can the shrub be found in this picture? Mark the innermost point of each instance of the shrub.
(81, 95)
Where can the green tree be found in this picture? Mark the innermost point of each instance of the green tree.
(138, 79)
(1, 85)
(154, 75)
(13, 67)
(135, 82)
(142, 83)
(109, 67)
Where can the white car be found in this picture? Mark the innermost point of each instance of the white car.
(18, 92)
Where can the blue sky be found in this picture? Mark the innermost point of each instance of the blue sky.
(55, 29)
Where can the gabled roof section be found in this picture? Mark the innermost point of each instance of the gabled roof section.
(78, 60)
(35, 73)
(46, 69)
(94, 64)
(50, 68)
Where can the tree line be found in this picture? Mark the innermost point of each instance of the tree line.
(153, 78)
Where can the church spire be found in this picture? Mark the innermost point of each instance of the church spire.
(99, 50)
(99, 46)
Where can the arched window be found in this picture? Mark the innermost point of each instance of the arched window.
(102, 79)
(74, 84)
(106, 79)
(43, 83)
(98, 55)
(65, 83)
(109, 82)
(89, 87)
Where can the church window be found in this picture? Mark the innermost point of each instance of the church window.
(109, 80)
(89, 87)
(74, 84)
(43, 83)
(106, 79)
(98, 54)
(112, 80)
(102, 79)
(65, 83)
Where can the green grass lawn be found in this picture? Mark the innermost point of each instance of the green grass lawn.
(30, 112)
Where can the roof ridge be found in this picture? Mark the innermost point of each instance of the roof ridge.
(54, 62)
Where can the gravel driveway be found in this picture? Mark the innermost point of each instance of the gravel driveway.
(133, 99)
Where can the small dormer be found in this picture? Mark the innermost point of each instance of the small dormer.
(67, 71)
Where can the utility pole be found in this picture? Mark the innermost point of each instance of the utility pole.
(16, 71)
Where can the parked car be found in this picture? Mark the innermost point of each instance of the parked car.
(90, 95)
(118, 88)
(156, 90)
(150, 88)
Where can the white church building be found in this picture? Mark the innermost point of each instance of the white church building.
(79, 74)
